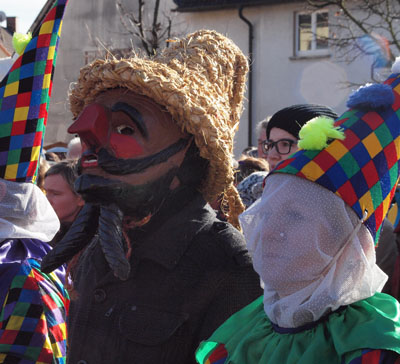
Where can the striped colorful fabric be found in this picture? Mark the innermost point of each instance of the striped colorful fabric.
(218, 356)
(375, 356)
(33, 318)
(24, 101)
(362, 169)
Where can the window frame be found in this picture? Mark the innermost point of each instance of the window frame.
(91, 54)
(313, 51)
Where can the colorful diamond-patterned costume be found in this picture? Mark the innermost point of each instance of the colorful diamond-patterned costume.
(33, 305)
(24, 101)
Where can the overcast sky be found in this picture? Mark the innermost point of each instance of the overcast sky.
(25, 10)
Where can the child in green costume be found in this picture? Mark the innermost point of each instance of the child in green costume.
(312, 237)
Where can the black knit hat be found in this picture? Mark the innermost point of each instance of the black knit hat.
(292, 118)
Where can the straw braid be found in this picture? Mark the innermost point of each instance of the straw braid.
(236, 206)
(201, 81)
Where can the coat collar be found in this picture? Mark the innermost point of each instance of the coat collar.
(167, 242)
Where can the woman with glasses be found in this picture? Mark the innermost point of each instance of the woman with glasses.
(283, 130)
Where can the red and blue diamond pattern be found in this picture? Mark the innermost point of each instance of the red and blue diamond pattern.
(24, 100)
(33, 318)
(362, 169)
(218, 356)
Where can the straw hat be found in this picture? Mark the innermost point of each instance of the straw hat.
(200, 80)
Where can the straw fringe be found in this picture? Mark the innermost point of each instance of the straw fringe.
(201, 81)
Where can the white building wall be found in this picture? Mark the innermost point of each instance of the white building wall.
(279, 79)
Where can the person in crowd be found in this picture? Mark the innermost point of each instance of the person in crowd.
(52, 158)
(261, 137)
(281, 136)
(60, 152)
(59, 187)
(33, 305)
(154, 270)
(312, 237)
(282, 131)
(44, 165)
(74, 148)
(248, 165)
(249, 178)
(250, 152)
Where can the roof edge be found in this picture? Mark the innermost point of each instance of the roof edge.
(224, 5)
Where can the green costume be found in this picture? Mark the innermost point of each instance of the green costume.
(249, 336)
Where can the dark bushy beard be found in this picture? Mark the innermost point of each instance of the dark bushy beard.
(107, 203)
(136, 201)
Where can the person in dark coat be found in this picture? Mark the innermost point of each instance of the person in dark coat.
(154, 271)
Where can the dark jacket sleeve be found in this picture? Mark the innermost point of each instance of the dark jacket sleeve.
(237, 285)
(386, 252)
(240, 288)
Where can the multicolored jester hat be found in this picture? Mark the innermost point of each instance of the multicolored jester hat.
(358, 159)
(24, 100)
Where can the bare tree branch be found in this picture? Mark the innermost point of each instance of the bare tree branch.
(150, 36)
(363, 27)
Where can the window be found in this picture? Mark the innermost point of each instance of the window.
(90, 56)
(312, 32)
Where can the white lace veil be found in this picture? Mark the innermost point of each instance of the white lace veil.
(310, 250)
(25, 212)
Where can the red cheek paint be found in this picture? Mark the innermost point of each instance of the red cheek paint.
(125, 146)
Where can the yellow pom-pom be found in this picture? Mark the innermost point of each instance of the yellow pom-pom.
(314, 135)
(20, 41)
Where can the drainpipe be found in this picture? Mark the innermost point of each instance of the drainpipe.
(250, 117)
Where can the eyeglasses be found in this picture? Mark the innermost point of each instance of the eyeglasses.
(282, 146)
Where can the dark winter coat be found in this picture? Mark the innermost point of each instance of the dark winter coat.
(189, 273)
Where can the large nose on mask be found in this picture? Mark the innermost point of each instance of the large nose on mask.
(92, 126)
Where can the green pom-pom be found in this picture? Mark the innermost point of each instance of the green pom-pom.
(314, 135)
(20, 41)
